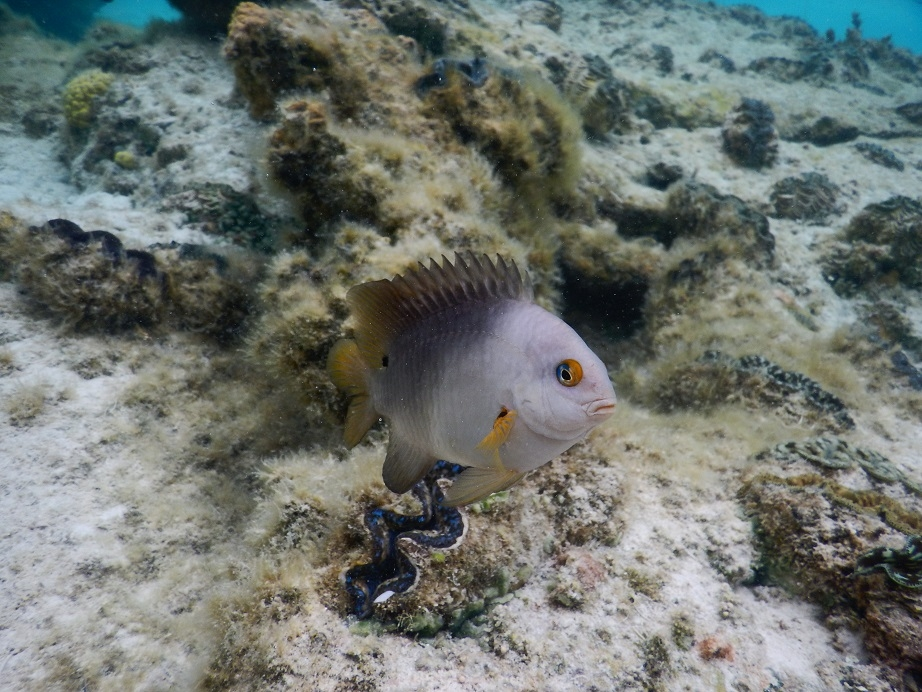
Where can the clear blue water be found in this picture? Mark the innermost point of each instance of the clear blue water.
(138, 12)
(900, 19)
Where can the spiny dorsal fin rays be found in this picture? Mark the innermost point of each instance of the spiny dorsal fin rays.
(383, 309)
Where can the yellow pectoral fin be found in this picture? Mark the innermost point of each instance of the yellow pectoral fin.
(502, 427)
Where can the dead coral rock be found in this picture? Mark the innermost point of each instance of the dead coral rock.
(296, 329)
(880, 155)
(826, 131)
(812, 532)
(414, 19)
(698, 210)
(544, 12)
(880, 246)
(89, 280)
(521, 125)
(221, 210)
(327, 172)
(912, 112)
(810, 197)
(274, 51)
(717, 379)
(749, 135)
(209, 293)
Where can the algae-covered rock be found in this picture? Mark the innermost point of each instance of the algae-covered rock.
(795, 510)
(273, 51)
(880, 246)
(698, 210)
(809, 197)
(749, 135)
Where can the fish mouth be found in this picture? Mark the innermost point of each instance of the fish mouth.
(600, 408)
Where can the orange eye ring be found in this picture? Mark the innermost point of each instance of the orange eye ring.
(569, 373)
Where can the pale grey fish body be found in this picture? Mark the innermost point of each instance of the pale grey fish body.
(449, 377)
(465, 367)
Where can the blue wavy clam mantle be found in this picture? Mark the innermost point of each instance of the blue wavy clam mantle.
(391, 570)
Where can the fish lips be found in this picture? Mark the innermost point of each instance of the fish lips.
(600, 409)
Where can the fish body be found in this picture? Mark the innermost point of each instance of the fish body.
(465, 367)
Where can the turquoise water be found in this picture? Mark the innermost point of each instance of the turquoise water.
(138, 12)
(900, 19)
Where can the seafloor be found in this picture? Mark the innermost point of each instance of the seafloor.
(724, 205)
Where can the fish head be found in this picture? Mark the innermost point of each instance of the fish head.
(568, 391)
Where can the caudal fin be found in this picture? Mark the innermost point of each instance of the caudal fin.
(350, 373)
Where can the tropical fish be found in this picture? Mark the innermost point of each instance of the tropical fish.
(465, 367)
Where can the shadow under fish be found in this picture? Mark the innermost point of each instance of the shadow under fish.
(391, 571)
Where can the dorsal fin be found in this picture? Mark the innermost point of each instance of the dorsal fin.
(383, 309)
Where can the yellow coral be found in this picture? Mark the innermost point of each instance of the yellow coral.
(80, 96)
(125, 159)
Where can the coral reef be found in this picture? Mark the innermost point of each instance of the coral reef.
(412, 18)
(749, 136)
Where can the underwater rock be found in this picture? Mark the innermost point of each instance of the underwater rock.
(698, 210)
(89, 280)
(826, 131)
(414, 19)
(274, 51)
(780, 69)
(521, 125)
(815, 536)
(664, 59)
(604, 102)
(712, 57)
(810, 197)
(880, 155)
(880, 245)
(715, 379)
(749, 136)
(544, 12)
(661, 175)
(326, 172)
(208, 293)
(902, 365)
(911, 111)
(221, 210)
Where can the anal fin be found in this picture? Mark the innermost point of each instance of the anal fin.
(476, 483)
(405, 464)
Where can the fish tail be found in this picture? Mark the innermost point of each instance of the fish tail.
(351, 374)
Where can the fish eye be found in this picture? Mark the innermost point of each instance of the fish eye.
(569, 373)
